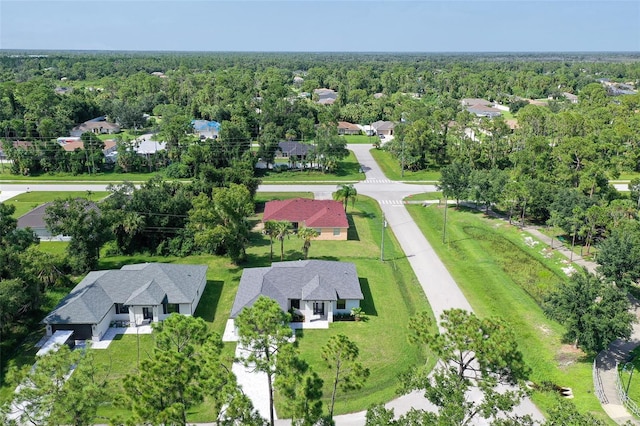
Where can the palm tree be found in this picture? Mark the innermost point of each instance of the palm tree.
(270, 230)
(345, 192)
(282, 229)
(307, 234)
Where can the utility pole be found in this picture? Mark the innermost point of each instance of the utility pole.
(402, 164)
(444, 225)
(384, 225)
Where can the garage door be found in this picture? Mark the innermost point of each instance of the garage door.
(80, 331)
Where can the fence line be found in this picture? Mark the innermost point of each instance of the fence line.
(597, 384)
(629, 403)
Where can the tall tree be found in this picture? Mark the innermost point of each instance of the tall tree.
(263, 331)
(300, 386)
(346, 192)
(341, 355)
(306, 234)
(88, 228)
(474, 352)
(282, 229)
(455, 181)
(618, 254)
(220, 222)
(184, 367)
(50, 394)
(594, 313)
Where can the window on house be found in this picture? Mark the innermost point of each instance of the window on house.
(319, 231)
(341, 304)
(121, 309)
(336, 231)
(295, 303)
(170, 308)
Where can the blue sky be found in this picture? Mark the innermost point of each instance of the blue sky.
(319, 25)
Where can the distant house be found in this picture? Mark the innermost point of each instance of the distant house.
(570, 97)
(484, 111)
(63, 90)
(289, 149)
(481, 107)
(313, 289)
(73, 143)
(145, 145)
(98, 125)
(327, 217)
(35, 219)
(346, 128)
(206, 129)
(475, 101)
(384, 128)
(17, 145)
(326, 96)
(135, 294)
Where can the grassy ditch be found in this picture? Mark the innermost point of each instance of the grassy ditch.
(506, 273)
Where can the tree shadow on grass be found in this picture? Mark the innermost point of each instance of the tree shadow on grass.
(368, 305)
(209, 301)
(363, 214)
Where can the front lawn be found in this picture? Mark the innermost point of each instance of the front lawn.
(391, 168)
(502, 272)
(348, 170)
(361, 139)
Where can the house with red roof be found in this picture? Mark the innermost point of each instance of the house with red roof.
(327, 217)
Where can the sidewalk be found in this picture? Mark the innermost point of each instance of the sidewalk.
(618, 352)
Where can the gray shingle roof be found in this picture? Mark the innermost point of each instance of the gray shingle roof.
(305, 280)
(148, 294)
(139, 284)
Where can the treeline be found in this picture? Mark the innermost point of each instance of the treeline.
(245, 92)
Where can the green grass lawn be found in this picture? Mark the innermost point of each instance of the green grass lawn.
(427, 196)
(363, 139)
(627, 176)
(70, 178)
(392, 295)
(503, 276)
(391, 168)
(30, 200)
(348, 170)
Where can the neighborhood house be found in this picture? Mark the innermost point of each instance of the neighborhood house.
(98, 125)
(315, 290)
(327, 217)
(134, 295)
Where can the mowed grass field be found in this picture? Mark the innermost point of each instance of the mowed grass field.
(348, 170)
(391, 168)
(392, 295)
(505, 274)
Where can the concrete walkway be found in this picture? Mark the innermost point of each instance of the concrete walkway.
(618, 352)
